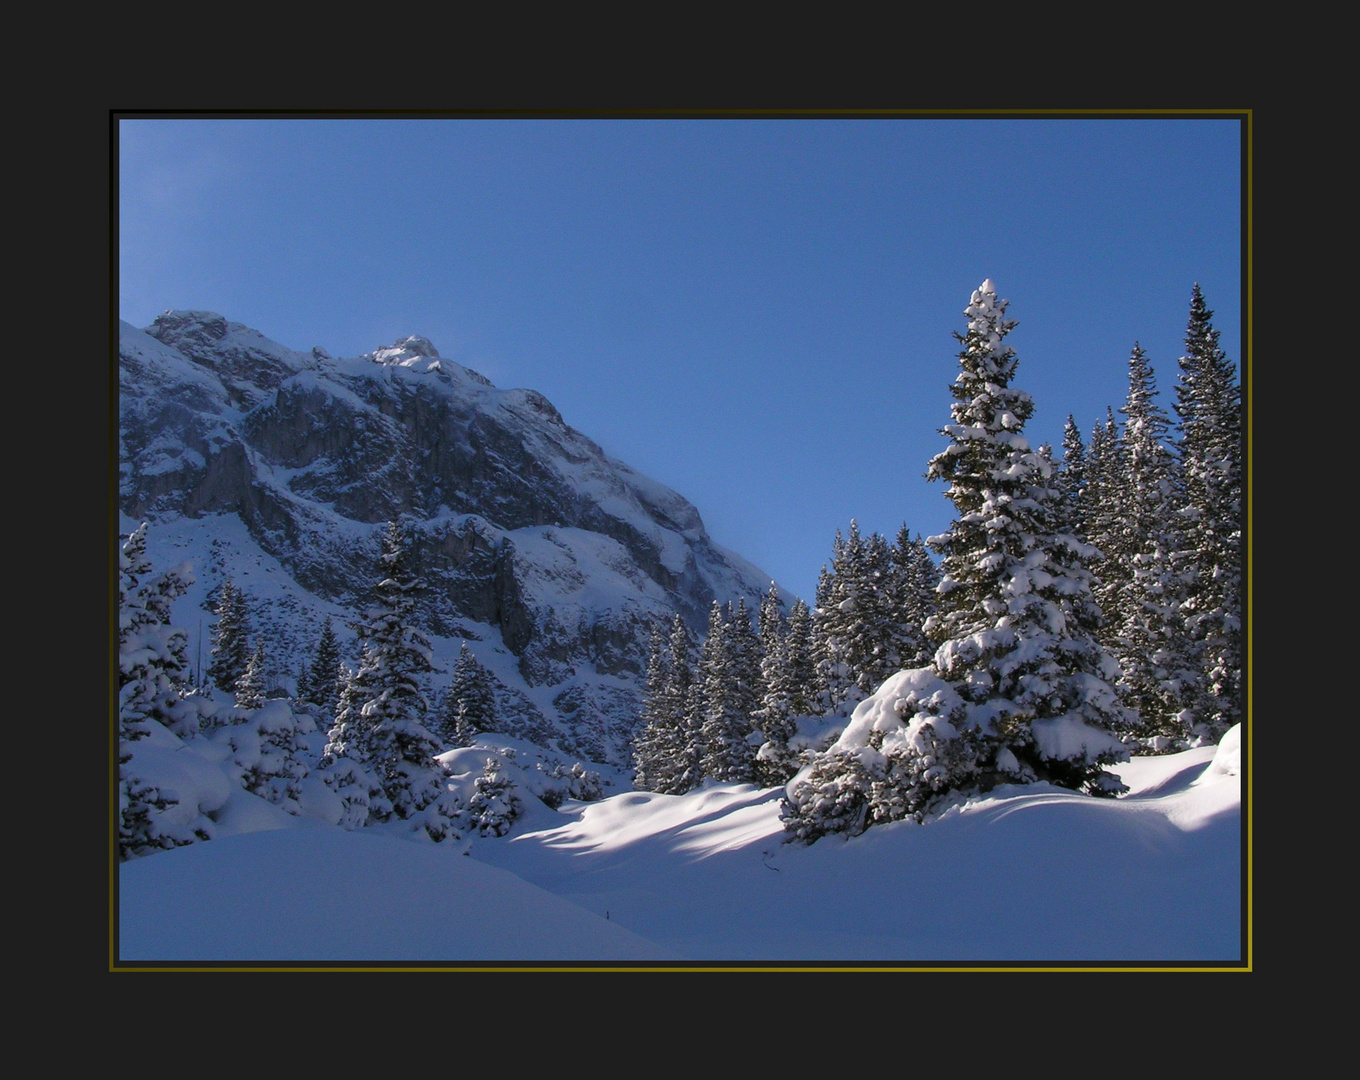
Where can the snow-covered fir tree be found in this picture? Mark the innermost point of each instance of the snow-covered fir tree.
(727, 753)
(915, 579)
(786, 675)
(871, 606)
(1016, 611)
(153, 690)
(322, 687)
(344, 765)
(249, 688)
(837, 621)
(270, 753)
(879, 636)
(659, 742)
(668, 746)
(1019, 691)
(1070, 482)
(1149, 640)
(1209, 406)
(384, 709)
(230, 638)
(770, 620)
(495, 804)
(685, 704)
(1102, 513)
(801, 660)
(469, 702)
(744, 654)
(302, 680)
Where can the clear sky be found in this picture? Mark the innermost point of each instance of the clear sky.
(757, 313)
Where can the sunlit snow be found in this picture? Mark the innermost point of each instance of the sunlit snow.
(1024, 874)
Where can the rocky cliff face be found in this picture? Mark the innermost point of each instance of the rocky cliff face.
(520, 524)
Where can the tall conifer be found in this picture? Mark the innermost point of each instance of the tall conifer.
(1209, 407)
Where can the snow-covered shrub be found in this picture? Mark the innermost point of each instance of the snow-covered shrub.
(269, 753)
(576, 782)
(495, 803)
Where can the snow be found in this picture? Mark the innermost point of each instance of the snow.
(1025, 874)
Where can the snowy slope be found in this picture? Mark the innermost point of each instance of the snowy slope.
(1023, 875)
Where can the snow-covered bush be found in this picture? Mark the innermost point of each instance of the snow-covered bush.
(495, 803)
(576, 782)
(268, 750)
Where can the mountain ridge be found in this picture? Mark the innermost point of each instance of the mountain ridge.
(518, 522)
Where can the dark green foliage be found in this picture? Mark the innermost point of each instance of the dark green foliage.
(727, 753)
(1209, 405)
(230, 639)
(1019, 689)
(495, 804)
(380, 725)
(322, 687)
(249, 688)
(153, 688)
(469, 702)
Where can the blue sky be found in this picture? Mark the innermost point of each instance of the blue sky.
(757, 313)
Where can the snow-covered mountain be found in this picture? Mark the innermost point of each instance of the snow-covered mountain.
(278, 469)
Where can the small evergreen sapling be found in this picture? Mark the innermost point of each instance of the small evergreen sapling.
(250, 687)
(495, 804)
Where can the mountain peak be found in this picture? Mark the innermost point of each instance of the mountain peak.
(178, 324)
(406, 351)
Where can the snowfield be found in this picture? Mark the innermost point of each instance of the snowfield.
(1024, 875)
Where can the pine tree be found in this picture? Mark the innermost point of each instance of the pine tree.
(469, 702)
(1209, 406)
(1149, 640)
(1102, 511)
(770, 622)
(231, 638)
(1018, 691)
(344, 765)
(153, 675)
(249, 688)
(877, 634)
(495, 804)
(775, 718)
(1016, 609)
(662, 753)
(837, 621)
(668, 744)
(302, 680)
(917, 579)
(387, 727)
(727, 755)
(744, 653)
(153, 689)
(800, 657)
(685, 706)
(323, 683)
(268, 749)
(1070, 483)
